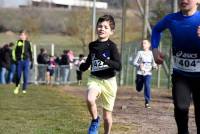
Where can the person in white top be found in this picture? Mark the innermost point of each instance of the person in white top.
(78, 72)
(144, 63)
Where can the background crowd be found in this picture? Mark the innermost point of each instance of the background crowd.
(48, 66)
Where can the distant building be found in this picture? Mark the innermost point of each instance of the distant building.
(51, 3)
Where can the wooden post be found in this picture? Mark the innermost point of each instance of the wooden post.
(94, 21)
(121, 76)
(174, 9)
(146, 17)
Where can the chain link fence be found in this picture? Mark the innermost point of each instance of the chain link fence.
(160, 77)
(63, 74)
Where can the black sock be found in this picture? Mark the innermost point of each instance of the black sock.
(95, 120)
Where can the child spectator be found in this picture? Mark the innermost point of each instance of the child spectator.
(78, 72)
(50, 69)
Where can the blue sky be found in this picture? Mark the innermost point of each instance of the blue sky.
(12, 3)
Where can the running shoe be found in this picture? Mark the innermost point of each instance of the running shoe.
(16, 90)
(147, 105)
(94, 126)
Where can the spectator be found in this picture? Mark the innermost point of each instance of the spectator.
(5, 62)
(70, 55)
(50, 69)
(57, 69)
(12, 69)
(71, 58)
(42, 60)
(65, 61)
(78, 72)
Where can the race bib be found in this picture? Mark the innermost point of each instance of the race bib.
(186, 64)
(98, 65)
(148, 66)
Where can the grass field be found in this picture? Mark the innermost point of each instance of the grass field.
(61, 42)
(61, 110)
(41, 111)
(46, 110)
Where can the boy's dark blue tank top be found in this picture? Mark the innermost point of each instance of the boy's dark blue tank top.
(185, 41)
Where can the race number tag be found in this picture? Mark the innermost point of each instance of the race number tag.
(187, 65)
(148, 66)
(98, 65)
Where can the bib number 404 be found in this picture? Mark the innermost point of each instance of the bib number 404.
(187, 63)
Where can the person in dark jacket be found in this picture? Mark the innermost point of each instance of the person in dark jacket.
(22, 55)
(42, 60)
(12, 69)
(5, 61)
(64, 64)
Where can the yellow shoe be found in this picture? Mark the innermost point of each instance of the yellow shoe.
(16, 90)
(24, 91)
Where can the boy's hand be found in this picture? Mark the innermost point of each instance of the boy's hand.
(100, 56)
(31, 66)
(142, 66)
(158, 56)
(198, 31)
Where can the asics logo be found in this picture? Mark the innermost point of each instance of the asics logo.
(186, 55)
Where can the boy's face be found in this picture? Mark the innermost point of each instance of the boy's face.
(23, 36)
(104, 30)
(145, 45)
(188, 5)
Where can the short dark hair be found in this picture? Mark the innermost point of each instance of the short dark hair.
(107, 18)
(11, 44)
(24, 31)
(81, 56)
(42, 50)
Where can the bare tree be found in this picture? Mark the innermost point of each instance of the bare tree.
(80, 25)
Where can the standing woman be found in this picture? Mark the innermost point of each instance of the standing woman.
(22, 55)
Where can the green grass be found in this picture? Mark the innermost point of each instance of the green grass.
(46, 110)
(61, 42)
(41, 111)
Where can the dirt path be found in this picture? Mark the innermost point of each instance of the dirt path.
(129, 111)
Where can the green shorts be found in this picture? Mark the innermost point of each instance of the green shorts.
(107, 89)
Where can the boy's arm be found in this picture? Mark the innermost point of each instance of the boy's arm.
(136, 61)
(155, 40)
(198, 31)
(84, 66)
(31, 55)
(154, 63)
(116, 61)
(14, 52)
(31, 52)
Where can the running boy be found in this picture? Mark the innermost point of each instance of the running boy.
(144, 63)
(185, 31)
(104, 60)
(22, 55)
